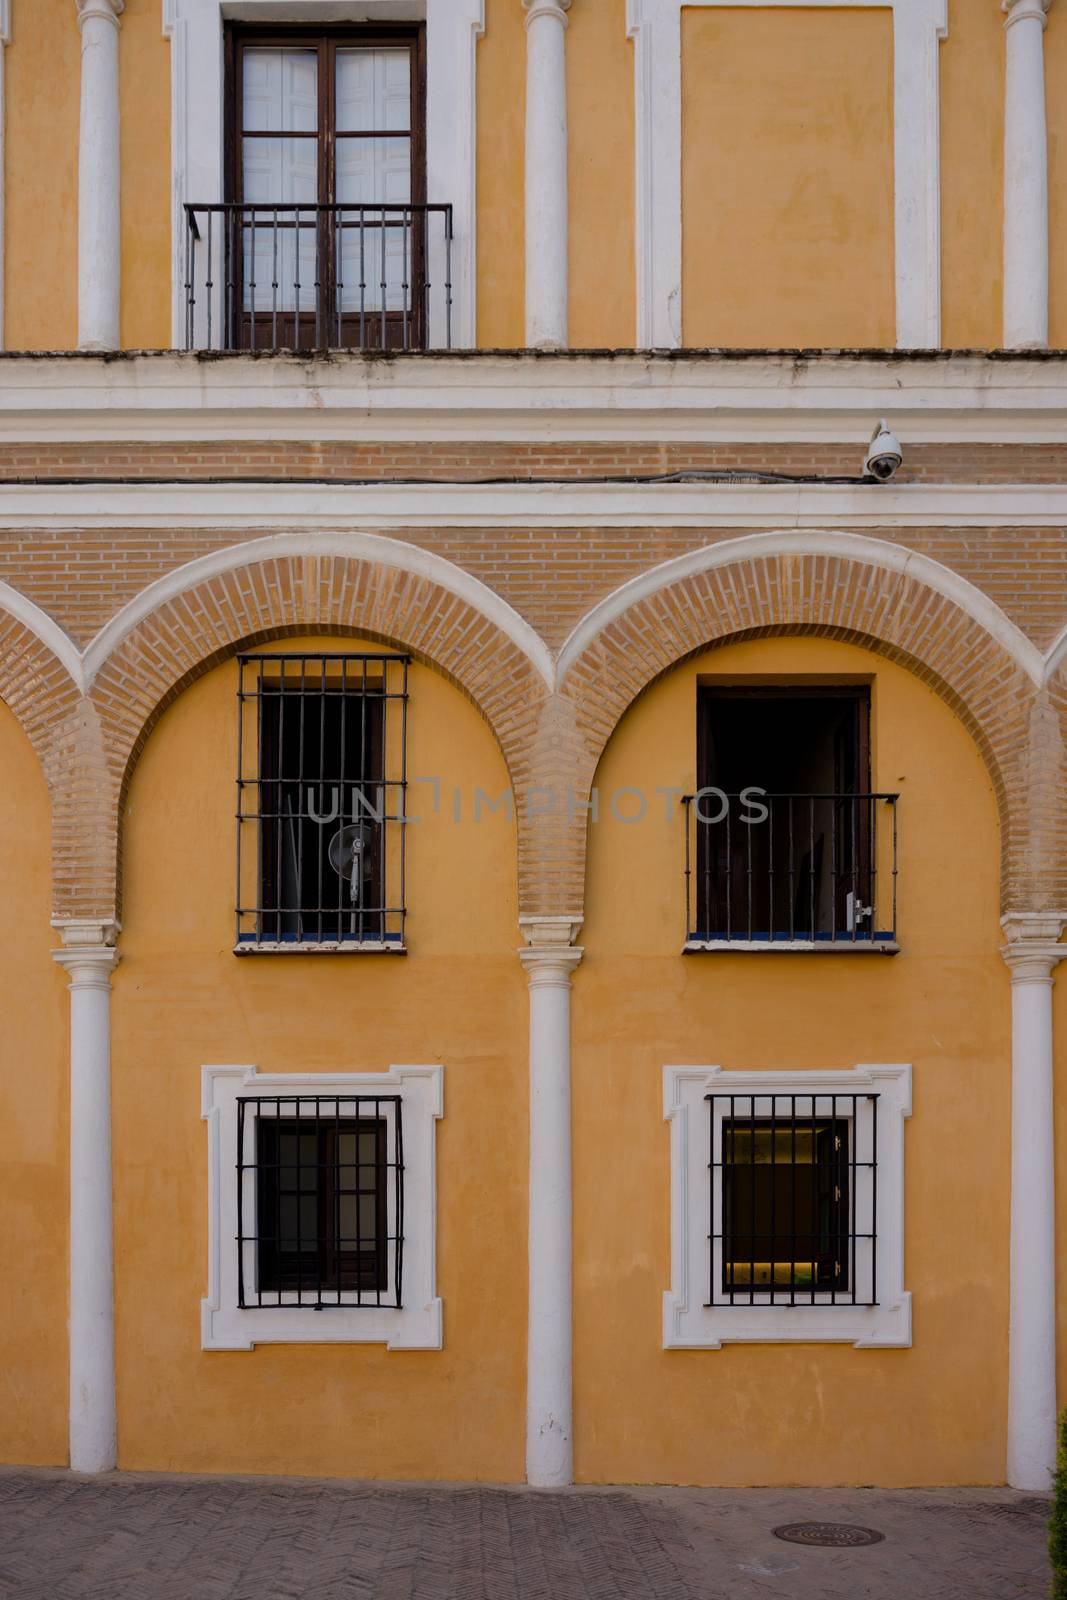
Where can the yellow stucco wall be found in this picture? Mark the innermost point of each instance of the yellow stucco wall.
(34, 1113)
(144, 91)
(182, 999)
(787, 177)
(600, 134)
(972, 176)
(41, 78)
(501, 92)
(804, 1413)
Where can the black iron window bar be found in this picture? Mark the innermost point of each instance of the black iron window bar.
(321, 786)
(793, 1200)
(320, 1201)
(293, 276)
(813, 869)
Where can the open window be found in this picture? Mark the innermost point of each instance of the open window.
(782, 833)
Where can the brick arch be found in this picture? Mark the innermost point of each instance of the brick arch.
(993, 688)
(194, 628)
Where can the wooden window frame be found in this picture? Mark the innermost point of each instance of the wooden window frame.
(293, 330)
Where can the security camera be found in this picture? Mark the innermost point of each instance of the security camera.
(884, 454)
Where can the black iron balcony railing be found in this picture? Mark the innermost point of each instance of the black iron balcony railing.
(808, 871)
(313, 277)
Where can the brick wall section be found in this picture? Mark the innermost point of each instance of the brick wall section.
(890, 613)
(551, 576)
(473, 458)
(88, 748)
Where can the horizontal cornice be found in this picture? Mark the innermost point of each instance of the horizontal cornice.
(812, 397)
(376, 505)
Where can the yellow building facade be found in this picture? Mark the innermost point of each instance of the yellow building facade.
(533, 662)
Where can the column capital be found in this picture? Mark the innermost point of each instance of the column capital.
(100, 10)
(556, 9)
(1033, 946)
(88, 954)
(551, 954)
(1021, 10)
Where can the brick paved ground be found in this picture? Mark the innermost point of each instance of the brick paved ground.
(134, 1537)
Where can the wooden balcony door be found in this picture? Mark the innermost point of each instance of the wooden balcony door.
(333, 118)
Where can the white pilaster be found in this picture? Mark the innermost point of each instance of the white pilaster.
(546, 174)
(5, 38)
(88, 956)
(549, 959)
(1025, 177)
(1032, 952)
(99, 243)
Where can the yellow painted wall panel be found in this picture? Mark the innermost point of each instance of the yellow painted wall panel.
(501, 91)
(1056, 91)
(42, 67)
(749, 1414)
(600, 121)
(183, 999)
(144, 91)
(34, 1113)
(787, 177)
(972, 176)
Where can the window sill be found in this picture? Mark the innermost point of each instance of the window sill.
(828, 947)
(327, 947)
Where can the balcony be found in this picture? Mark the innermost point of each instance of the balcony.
(813, 872)
(316, 277)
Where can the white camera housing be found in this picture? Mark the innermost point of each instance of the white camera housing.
(884, 454)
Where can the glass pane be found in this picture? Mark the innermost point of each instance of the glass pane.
(358, 1221)
(373, 170)
(281, 90)
(368, 1153)
(375, 248)
(373, 90)
(279, 255)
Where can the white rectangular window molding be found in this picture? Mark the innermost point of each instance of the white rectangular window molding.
(868, 1106)
(656, 29)
(195, 30)
(416, 1324)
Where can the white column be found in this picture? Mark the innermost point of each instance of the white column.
(98, 176)
(1031, 953)
(549, 959)
(546, 174)
(89, 957)
(1025, 177)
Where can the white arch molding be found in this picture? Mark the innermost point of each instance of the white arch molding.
(851, 546)
(918, 27)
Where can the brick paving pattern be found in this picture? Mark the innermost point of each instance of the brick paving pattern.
(134, 1537)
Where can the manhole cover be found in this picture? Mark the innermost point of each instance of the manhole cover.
(838, 1535)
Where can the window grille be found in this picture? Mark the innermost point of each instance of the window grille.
(321, 782)
(320, 1201)
(793, 1200)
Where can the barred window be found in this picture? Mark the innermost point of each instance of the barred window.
(320, 801)
(794, 1199)
(320, 1201)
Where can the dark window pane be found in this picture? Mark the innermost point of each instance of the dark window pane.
(314, 1231)
(785, 1204)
